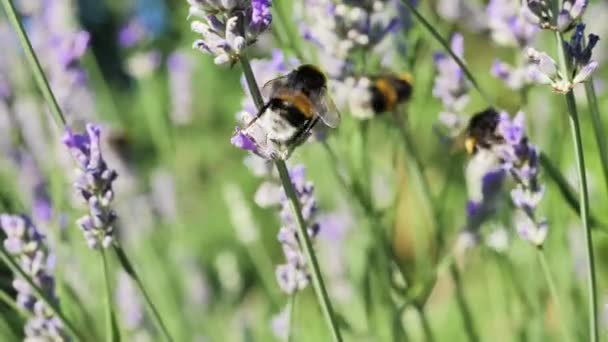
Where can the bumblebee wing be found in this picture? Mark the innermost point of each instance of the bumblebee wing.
(327, 111)
(272, 86)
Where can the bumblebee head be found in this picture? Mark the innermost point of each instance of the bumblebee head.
(309, 77)
(481, 131)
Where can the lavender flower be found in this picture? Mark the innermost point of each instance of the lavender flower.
(340, 29)
(579, 56)
(521, 160)
(540, 13)
(469, 13)
(131, 34)
(581, 64)
(180, 85)
(26, 244)
(280, 324)
(509, 27)
(451, 87)
(293, 275)
(94, 183)
(229, 26)
(63, 44)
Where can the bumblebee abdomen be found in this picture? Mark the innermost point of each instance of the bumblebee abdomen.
(403, 89)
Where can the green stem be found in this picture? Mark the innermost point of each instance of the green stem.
(10, 302)
(305, 242)
(426, 326)
(449, 50)
(463, 305)
(598, 127)
(292, 313)
(311, 258)
(128, 267)
(111, 325)
(17, 270)
(583, 191)
(553, 290)
(32, 60)
(567, 192)
(584, 200)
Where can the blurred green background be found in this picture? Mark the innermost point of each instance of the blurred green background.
(210, 286)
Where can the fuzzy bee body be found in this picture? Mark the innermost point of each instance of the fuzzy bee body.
(296, 103)
(481, 132)
(389, 91)
(287, 119)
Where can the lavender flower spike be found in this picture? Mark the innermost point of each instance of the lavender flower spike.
(450, 85)
(579, 59)
(229, 26)
(293, 275)
(521, 160)
(25, 243)
(94, 183)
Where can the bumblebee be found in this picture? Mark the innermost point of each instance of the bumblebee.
(388, 91)
(481, 131)
(297, 101)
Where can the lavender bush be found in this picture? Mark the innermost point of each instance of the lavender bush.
(399, 226)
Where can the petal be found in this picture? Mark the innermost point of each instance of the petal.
(585, 72)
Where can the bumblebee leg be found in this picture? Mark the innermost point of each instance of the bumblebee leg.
(258, 115)
(303, 134)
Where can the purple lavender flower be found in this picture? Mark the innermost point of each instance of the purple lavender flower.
(229, 26)
(131, 34)
(63, 44)
(545, 71)
(293, 275)
(180, 66)
(280, 324)
(509, 27)
(450, 85)
(451, 88)
(94, 183)
(468, 13)
(579, 56)
(540, 13)
(507, 24)
(27, 245)
(570, 13)
(341, 28)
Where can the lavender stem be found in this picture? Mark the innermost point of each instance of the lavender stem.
(426, 326)
(583, 191)
(598, 128)
(311, 258)
(128, 267)
(112, 333)
(32, 60)
(553, 290)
